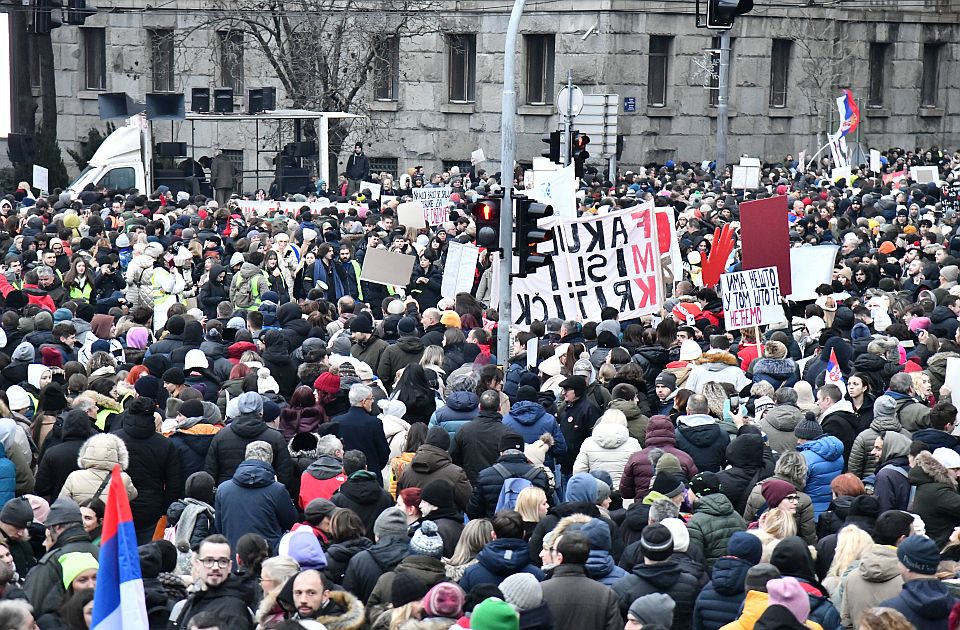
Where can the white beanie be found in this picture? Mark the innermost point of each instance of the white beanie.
(195, 359)
(266, 384)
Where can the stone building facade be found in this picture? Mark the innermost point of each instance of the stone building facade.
(438, 96)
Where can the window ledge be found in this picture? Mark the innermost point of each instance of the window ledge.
(780, 112)
(876, 112)
(660, 112)
(458, 108)
(931, 112)
(536, 110)
(91, 95)
(384, 106)
(712, 112)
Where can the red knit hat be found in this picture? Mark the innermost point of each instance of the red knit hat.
(51, 357)
(327, 382)
(776, 490)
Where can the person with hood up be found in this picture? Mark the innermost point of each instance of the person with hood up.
(391, 545)
(362, 492)
(639, 470)
(599, 565)
(824, 456)
(608, 448)
(721, 599)
(816, 367)
(228, 448)
(699, 435)
(576, 414)
(717, 366)
(407, 350)
(324, 476)
(248, 286)
(781, 419)
(462, 405)
(294, 328)
(432, 461)
(659, 573)
(529, 419)
(505, 555)
(746, 466)
(154, 467)
(214, 291)
(862, 462)
(925, 601)
(196, 423)
(892, 485)
(276, 357)
(96, 459)
(879, 363)
(58, 461)
(253, 501)
(192, 517)
(792, 558)
(714, 521)
(936, 500)
(775, 367)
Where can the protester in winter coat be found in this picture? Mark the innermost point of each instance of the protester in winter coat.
(792, 468)
(925, 601)
(862, 462)
(390, 547)
(608, 448)
(360, 430)
(528, 419)
(936, 500)
(746, 466)
(717, 366)
(780, 421)
(196, 424)
(362, 492)
(477, 443)
(792, 557)
(408, 349)
(875, 579)
(639, 470)
(600, 565)
(837, 417)
(97, 457)
(58, 461)
(422, 564)
(775, 367)
(699, 435)
(432, 461)
(506, 555)
(720, 600)
(714, 519)
(892, 485)
(576, 414)
(824, 455)
(490, 481)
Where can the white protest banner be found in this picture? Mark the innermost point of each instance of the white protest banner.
(434, 202)
(671, 259)
(477, 157)
(374, 189)
(875, 163)
(751, 298)
(385, 267)
(598, 261)
(249, 207)
(801, 161)
(925, 174)
(410, 214)
(41, 179)
(559, 190)
(809, 268)
(459, 269)
(746, 177)
(385, 199)
(952, 376)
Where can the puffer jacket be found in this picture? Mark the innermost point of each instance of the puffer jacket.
(431, 462)
(701, 436)
(874, 580)
(407, 350)
(139, 291)
(608, 448)
(862, 462)
(841, 422)
(60, 460)
(366, 567)
(824, 462)
(936, 500)
(483, 501)
(876, 369)
(498, 560)
(600, 565)
(745, 455)
(635, 482)
(460, 408)
(652, 359)
(720, 600)
(666, 577)
(777, 372)
(714, 521)
(892, 486)
(8, 477)
(716, 366)
(778, 425)
(806, 526)
(925, 603)
(229, 446)
(530, 420)
(253, 502)
(637, 422)
(97, 457)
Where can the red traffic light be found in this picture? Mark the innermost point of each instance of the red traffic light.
(485, 211)
(581, 141)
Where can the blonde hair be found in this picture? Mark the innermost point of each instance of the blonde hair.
(883, 619)
(917, 378)
(779, 523)
(475, 535)
(432, 355)
(528, 503)
(851, 542)
(607, 372)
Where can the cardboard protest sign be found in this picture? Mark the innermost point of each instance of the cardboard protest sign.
(374, 189)
(385, 267)
(477, 157)
(925, 174)
(875, 163)
(765, 237)
(434, 202)
(410, 214)
(459, 270)
(41, 178)
(810, 267)
(746, 177)
(751, 298)
(385, 199)
(598, 261)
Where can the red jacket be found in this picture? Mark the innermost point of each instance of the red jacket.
(35, 295)
(312, 488)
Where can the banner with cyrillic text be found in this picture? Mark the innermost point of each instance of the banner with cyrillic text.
(751, 298)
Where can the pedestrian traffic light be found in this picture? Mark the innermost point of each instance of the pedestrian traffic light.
(486, 217)
(47, 15)
(529, 235)
(579, 152)
(78, 12)
(721, 13)
(554, 142)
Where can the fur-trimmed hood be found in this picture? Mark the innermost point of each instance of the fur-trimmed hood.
(926, 469)
(721, 357)
(351, 618)
(103, 402)
(102, 452)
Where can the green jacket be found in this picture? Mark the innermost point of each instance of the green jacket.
(714, 522)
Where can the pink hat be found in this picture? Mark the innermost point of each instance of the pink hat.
(40, 507)
(918, 323)
(788, 593)
(444, 600)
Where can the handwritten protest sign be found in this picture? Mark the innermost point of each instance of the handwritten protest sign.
(434, 202)
(751, 298)
(459, 270)
(372, 187)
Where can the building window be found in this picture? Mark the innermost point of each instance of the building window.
(540, 55)
(779, 71)
(878, 70)
(161, 58)
(462, 68)
(231, 60)
(463, 165)
(386, 69)
(715, 79)
(95, 58)
(658, 64)
(385, 165)
(930, 84)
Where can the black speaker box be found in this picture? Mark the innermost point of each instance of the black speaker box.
(170, 149)
(223, 100)
(200, 100)
(165, 106)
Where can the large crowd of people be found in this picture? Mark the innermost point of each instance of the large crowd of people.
(305, 448)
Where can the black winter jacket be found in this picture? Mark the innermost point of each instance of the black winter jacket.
(61, 459)
(704, 441)
(340, 554)
(720, 600)
(230, 602)
(365, 568)
(747, 467)
(486, 492)
(229, 446)
(364, 494)
(667, 578)
(476, 444)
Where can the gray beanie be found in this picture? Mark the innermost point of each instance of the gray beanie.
(63, 512)
(522, 591)
(392, 522)
(24, 353)
(758, 576)
(653, 608)
(426, 541)
(884, 407)
(250, 402)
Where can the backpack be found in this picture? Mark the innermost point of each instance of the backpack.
(512, 486)
(246, 294)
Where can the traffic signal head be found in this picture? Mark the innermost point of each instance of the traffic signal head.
(580, 153)
(529, 235)
(721, 13)
(554, 142)
(486, 216)
(580, 143)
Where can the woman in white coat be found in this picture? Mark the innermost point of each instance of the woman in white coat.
(608, 447)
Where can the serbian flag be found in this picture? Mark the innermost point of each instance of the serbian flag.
(119, 603)
(833, 375)
(849, 113)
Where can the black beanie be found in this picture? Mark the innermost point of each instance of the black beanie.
(406, 588)
(438, 436)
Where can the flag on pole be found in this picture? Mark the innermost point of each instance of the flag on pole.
(849, 113)
(119, 602)
(833, 375)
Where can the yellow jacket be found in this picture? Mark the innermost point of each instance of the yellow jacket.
(753, 606)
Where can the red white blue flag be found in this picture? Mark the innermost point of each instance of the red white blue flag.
(833, 375)
(849, 113)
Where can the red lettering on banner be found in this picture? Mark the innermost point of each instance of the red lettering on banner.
(648, 290)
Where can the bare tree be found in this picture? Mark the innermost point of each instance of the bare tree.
(329, 55)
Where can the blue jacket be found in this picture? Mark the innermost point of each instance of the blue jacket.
(498, 560)
(530, 420)
(8, 477)
(460, 408)
(720, 600)
(925, 603)
(824, 462)
(254, 502)
(600, 565)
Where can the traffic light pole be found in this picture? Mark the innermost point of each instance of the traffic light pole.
(507, 149)
(723, 98)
